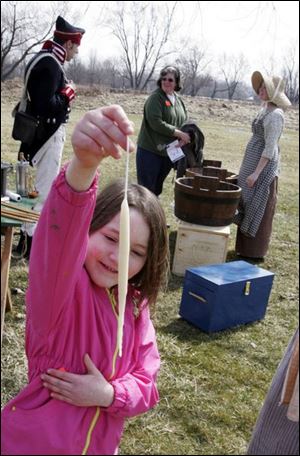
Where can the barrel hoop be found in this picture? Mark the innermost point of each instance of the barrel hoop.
(205, 199)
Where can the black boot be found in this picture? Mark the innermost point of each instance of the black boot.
(28, 247)
(24, 246)
(21, 244)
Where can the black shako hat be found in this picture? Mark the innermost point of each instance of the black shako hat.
(65, 31)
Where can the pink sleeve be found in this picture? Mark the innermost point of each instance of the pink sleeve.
(58, 251)
(137, 392)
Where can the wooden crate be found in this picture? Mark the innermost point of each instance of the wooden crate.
(199, 244)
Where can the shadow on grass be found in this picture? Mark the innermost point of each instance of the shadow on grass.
(172, 244)
(185, 331)
(232, 256)
(175, 282)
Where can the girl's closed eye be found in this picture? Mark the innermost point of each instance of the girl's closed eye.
(110, 238)
(137, 253)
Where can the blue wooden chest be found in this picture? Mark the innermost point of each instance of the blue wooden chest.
(221, 296)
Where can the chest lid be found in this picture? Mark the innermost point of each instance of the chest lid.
(214, 275)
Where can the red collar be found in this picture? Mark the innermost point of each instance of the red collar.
(56, 49)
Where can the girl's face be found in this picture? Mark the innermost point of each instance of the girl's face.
(168, 83)
(103, 250)
(262, 93)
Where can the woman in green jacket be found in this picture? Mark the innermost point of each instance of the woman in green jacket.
(164, 113)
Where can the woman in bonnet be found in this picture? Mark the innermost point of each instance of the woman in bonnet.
(258, 175)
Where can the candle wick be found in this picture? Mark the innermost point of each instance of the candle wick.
(127, 167)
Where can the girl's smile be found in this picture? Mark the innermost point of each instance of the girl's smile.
(103, 250)
(114, 271)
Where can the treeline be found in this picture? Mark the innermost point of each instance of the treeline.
(145, 33)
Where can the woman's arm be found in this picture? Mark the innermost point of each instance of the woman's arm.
(273, 124)
(184, 137)
(163, 125)
(251, 180)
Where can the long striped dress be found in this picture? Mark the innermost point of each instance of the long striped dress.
(257, 204)
(274, 432)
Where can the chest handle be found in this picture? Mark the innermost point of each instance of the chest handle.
(197, 297)
(247, 288)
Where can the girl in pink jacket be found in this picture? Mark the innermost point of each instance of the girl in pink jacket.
(80, 391)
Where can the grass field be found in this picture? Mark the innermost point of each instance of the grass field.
(211, 386)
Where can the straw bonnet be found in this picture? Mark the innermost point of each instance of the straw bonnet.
(275, 88)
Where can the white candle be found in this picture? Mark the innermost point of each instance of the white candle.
(123, 260)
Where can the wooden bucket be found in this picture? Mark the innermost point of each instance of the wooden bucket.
(205, 200)
(216, 163)
(215, 171)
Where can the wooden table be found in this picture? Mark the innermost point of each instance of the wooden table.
(7, 229)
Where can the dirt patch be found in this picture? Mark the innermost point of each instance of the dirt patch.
(224, 111)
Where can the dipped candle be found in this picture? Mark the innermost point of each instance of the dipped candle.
(123, 260)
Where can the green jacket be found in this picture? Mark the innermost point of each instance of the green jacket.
(159, 122)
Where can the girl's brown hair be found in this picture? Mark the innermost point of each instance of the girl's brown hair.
(153, 275)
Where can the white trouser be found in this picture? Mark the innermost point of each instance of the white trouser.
(47, 162)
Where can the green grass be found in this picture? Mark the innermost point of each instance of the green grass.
(211, 386)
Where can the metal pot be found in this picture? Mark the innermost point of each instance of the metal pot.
(5, 169)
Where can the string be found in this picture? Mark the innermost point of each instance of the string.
(127, 167)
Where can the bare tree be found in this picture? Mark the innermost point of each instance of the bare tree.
(290, 73)
(77, 71)
(233, 69)
(143, 30)
(192, 67)
(24, 26)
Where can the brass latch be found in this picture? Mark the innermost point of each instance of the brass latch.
(197, 296)
(247, 288)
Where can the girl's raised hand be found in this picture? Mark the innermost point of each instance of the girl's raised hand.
(96, 136)
(99, 132)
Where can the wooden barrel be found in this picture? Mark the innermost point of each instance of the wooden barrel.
(215, 171)
(205, 200)
(216, 163)
(232, 178)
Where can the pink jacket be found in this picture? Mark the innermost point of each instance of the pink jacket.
(68, 316)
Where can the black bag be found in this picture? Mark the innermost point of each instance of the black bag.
(25, 127)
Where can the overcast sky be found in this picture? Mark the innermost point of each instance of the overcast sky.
(261, 30)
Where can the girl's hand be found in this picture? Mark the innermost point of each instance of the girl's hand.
(90, 389)
(98, 134)
(251, 180)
